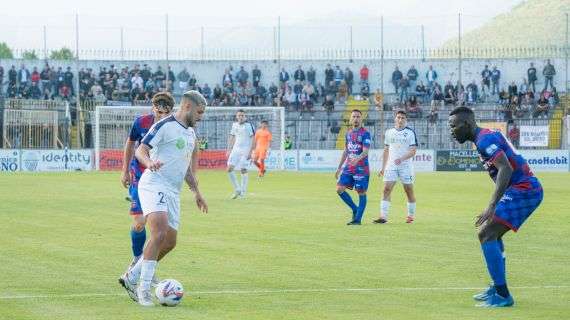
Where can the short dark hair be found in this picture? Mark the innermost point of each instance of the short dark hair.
(462, 111)
(240, 110)
(402, 112)
(163, 100)
(356, 110)
(265, 122)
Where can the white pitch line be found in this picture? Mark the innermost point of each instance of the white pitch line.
(278, 291)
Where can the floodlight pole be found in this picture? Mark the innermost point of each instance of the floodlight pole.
(382, 54)
(459, 47)
(45, 43)
(202, 43)
(122, 44)
(423, 45)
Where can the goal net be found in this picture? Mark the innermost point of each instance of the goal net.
(113, 124)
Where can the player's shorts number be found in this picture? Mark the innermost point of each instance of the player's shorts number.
(161, 200)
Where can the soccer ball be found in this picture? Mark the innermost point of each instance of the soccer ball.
(169, 292)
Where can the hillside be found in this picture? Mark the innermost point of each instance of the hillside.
(533, 23)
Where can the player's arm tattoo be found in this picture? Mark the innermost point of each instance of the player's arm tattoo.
(191, 180)
(504, 173)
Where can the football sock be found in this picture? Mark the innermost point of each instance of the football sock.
(348, 200)
(361, 207)
(262, 165)
(411, 209)
(384, 208)
(496, 266)
(147, 272)
(134, 274)
(244, 178)
(137, 241)
(257, 164)
(234, 181)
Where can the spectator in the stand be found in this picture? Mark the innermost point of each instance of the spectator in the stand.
(396, 77)
(378, 100)
(421, 92)
(342, 95)
(283, 77)
(59, 78)
(273, 91)
(35, 77)
(458, 87)
(328, 104)
(183, 78)
(158, 77)
(44, 78)
(207, 92)
(525, 106)
(309, 90)
(242, 76)
(532, 77)
(433, 116)
(495, 80)
(513, 90)
(192, 81)
(217, 95)
(171, 79)
(486, 79)
(227, 78)
(450, 97)
(349, 79)
(12, 76)
(332, 89)
(413, 108)
(329, 75)
(548, 72)
(364, 73)
(514, 134)
(256, 76)
(146, 73)
(472, 93)
(431, 77)
(338, 75)
(504, 97)
(448, 86)
(290, 99)
(437, 98)
(250, 92)
(364, 89)
(1, 81)
(299, 74)
(312, 76)
(35, 92)
(523, 88)
(12, 91)
(306, 105)
(137, 82)
(412, 75)
(298, 87)
(320, 91)
(260, 95)
(404, 84)
(23, 76)
(68, 80)
(554, 99)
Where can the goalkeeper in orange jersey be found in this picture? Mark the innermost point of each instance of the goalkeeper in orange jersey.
(262, 143)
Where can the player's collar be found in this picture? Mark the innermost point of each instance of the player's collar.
(400, 129)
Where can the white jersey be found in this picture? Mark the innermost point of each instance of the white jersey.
(172, 144)
(243, 134)
(399, 142)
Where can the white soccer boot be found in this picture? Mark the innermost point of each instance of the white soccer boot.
(145, 297)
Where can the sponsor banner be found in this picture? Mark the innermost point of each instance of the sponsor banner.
(9, 160)
(212, 159)
(319, 159)
(273, 161)
(497, 126)
(57, 160)
(546, 160)
(423, 161)
(533, 136)
(458, 160)
(110, 160)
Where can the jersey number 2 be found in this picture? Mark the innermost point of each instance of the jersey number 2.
(161, 195)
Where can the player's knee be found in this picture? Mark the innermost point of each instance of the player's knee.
(485, 235)
(340, 189)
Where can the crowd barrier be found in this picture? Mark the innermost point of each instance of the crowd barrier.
(34, 160)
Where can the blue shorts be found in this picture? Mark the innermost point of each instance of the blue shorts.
(356, 181)
(517, 205)
(136, 208)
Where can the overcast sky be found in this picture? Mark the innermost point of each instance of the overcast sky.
(143, 21)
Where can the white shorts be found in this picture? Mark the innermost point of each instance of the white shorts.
(156, 197)
(239, 159)
(405, 174)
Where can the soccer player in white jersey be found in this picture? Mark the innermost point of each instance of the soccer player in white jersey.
(166, 151)
(400, 145)
(240, 147)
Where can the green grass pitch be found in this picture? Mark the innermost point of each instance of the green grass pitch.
(282, 253)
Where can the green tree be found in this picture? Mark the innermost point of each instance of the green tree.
(62, 54)
(30, 55)
(5, 51)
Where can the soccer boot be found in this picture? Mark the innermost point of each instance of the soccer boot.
(145, 297)
(130, 287)
(409, 219)
(155, 281)
(354, 223)
(235, 195)
(496, 301)
(483, 295)
(380, 220)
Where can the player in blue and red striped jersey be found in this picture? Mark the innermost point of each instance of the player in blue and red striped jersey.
(517, 194)
(353, 170)
(162, 105)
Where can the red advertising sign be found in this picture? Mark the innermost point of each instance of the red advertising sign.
(110, 160)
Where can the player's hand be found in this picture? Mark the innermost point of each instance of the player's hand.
(488, 214)
(398, 161)
(126, 179)
(381, 173)
(154, 165)
(201, 203)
